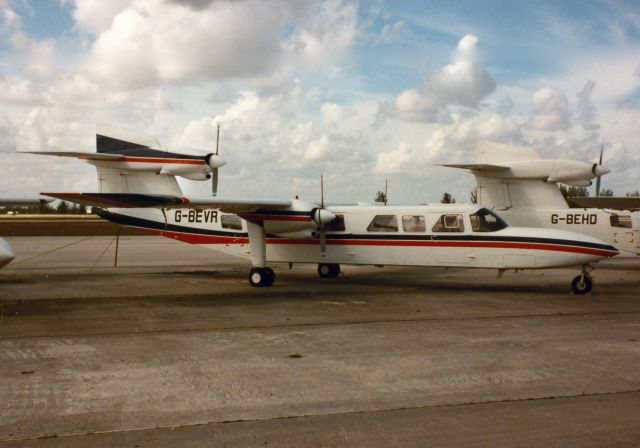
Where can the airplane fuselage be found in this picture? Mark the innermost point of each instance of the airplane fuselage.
(431, 235)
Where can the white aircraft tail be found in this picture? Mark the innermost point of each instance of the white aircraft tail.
(134, 162)
(501, 189)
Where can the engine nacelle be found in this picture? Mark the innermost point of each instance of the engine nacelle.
(579, 183)
(197, 176)
(567, 171)
(302, 217)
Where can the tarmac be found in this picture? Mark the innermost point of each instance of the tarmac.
(172, 347)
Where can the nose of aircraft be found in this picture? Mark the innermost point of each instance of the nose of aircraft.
(6, 253)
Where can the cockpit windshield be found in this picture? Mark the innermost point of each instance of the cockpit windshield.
(484, 220)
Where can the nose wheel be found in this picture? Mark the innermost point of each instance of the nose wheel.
(583, 283)
(328, 270)
(261, 277)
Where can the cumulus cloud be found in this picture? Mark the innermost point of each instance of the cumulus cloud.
(463, 82)
(326, 32)
(586, 107)
(149, 42)
(550, 111)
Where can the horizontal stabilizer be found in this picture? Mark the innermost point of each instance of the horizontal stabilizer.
(134, 200)
(77, 154)
(477, 166)
(615, 203)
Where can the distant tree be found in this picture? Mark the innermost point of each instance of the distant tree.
(573, 192)
(606, 192)
(381, 197)
(63, 207)
(632, 194)
(447, 199)
(474, 195)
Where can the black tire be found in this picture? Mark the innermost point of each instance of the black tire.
(271, 276)
(582, 285)
(261, 277)
(328, 270)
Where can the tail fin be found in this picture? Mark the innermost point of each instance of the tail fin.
(112, 139)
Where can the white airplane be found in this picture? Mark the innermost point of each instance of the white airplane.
(7, 253)
(523, 188)
(138, 188)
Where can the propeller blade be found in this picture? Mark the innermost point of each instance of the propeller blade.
(217, 139)
(214, 182)
(599, 163)
(323, 239)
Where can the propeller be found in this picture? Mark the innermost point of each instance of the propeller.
(214, 162)
(322, 217)
(599, 170)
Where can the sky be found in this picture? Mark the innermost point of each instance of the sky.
(359, 91)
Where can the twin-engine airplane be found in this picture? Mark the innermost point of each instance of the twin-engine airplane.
(523, 188)
(137, 192)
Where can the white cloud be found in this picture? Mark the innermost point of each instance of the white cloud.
(463, 82)
(151, 42)
(550, 111)
(331, 113)
(328, 31)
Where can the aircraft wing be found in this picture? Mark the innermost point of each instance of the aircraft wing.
(78, 154)
(478, 166)
(135, 200)
(18, 201)
(615, 203)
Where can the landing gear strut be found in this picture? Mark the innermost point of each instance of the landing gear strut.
(328, 270)
(259, 277)
(583, 283)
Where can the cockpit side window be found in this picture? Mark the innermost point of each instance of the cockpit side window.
(383, 223)
(484, 220)
(449, 223)
(623, 221)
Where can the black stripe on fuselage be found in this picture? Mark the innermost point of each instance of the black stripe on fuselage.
(132, 221)
(157, 225)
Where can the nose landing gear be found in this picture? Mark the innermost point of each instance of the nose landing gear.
(583, 283)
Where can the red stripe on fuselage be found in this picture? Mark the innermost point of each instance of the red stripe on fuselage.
(214, 239)
(162, 160)
(254, 217)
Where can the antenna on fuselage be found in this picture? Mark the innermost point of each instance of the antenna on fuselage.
(385, 191)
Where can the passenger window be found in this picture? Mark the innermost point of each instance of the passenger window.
(620, 221)
(449, 223)
(231, 222)
(384, 223)
(336, 225)
(484, 220)
(413, 224)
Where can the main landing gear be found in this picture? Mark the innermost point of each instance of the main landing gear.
(583, 283)
(328, 270)
(260, 277)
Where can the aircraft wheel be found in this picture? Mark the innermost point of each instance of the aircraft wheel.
(582, 285)
(259, 277)
(328, 270)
